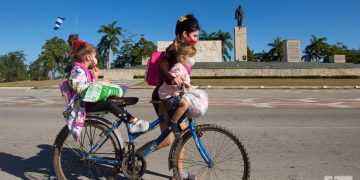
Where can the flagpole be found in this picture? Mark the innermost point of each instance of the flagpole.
(76, 28)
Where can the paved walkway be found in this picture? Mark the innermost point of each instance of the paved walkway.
(29, 99)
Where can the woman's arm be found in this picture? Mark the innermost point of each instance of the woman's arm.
(164, 72)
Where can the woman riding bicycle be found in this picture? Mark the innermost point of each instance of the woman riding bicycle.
(187, 30)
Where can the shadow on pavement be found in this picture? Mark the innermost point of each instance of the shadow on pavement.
(39, 166)
(36, 167)
(157, 174)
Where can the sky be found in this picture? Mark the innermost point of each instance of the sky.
(27, 24)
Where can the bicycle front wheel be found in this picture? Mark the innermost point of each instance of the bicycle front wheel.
(69, 155)
(230, 159)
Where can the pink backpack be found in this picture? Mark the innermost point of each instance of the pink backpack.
(152, 73)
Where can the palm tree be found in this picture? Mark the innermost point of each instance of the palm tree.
(262, 56)
(308, 57)
(276, 52)
(109, 42)
(205, 36)
(316, 50)
(226, 43)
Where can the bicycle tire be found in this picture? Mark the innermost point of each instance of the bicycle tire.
(69, 164)
(230, 159)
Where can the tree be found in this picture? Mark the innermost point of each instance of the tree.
(308, 57)
(109, 42)
(142, 50)
(262, 56)
(131, 54)
(276, 51)
(353, 56)
(37, 69)
(250, 55)
(317, 50)
(226, 44)
(205, 36)
(12, 66)
(54, 54)
(124, 57)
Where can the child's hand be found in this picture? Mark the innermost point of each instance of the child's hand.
(188, 86)
(107, 82)
(96, 72)
(177, 81)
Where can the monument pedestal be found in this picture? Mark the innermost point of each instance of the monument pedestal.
(291, 49)
(240, 44)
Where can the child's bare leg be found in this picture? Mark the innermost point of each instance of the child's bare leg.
(183, 106)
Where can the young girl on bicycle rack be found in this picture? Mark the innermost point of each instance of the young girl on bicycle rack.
(80, 80)
(170, 94)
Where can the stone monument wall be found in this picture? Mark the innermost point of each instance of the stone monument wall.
(337, 59)
(291, 51)
(207, 51)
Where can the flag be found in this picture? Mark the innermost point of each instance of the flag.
(58, 22)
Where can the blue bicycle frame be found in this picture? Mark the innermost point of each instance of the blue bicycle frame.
(160, 138)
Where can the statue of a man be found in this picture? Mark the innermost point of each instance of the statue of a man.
(239, 15)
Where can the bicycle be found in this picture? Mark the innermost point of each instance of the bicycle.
(207, 151)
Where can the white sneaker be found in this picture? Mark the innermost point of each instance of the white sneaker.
(139, 126)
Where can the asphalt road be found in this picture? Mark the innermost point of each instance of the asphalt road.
(289, 134)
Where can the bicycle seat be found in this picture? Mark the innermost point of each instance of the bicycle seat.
(124, 101)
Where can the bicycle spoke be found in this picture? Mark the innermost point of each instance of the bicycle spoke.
(213, 170)
(75, 151)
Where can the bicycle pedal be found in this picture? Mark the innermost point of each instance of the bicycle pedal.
(130, 143)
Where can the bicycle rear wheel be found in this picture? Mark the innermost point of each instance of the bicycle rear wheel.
(230, 159)
(69, 161)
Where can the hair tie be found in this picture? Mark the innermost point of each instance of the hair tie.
(183, 18)
(79, 43)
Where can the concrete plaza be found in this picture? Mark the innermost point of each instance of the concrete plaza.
(289, 133)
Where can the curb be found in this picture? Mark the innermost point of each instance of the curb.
(279, 87)
(217, 87)
(261, 87)
(16, 88)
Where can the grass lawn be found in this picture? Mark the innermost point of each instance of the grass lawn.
(274, 82)
(222, 82)
(46, 83)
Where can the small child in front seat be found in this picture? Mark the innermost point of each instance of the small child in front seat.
(170, 93)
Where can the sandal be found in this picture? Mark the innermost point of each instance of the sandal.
(139, 126)
(174, 128)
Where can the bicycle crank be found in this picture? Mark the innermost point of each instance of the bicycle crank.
(133, 165)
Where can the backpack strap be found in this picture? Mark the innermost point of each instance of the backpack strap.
(89, 75)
